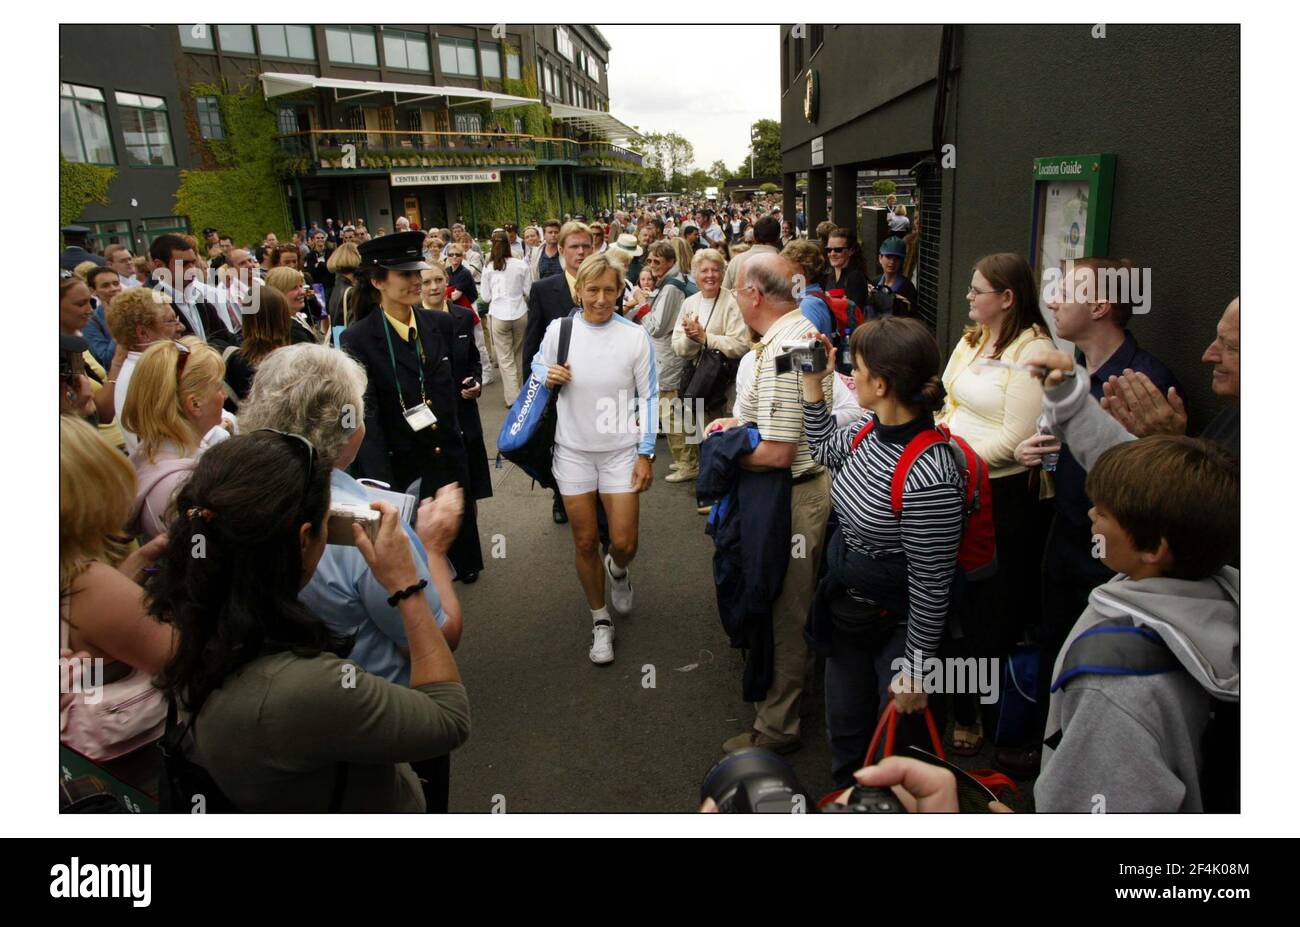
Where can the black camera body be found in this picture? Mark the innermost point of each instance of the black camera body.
(802, 356)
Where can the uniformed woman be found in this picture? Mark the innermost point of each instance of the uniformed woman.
(413, 430)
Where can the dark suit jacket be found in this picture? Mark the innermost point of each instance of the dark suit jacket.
(548, 299)
(391, 451)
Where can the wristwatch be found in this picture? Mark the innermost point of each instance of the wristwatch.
(650, 457)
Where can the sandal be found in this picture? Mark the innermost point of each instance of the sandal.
(967, 740)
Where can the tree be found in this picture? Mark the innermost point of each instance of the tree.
(697, 181)
(671, 153)
(720, 173)
(767, 148)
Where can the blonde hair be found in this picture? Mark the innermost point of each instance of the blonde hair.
(284, 279)
(84, 268)
(707, 254)
(344, 259)
(685, 257)
(596, 265)
(153, 403)
(139, 306)
(96, 495)
(572, 228)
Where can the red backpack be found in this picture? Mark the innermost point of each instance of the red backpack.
(844, 311)
(978, 553)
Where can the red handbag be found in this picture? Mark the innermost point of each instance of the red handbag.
(887, 727)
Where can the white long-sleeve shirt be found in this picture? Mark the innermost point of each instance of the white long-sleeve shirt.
(506, 291)
(612, 402)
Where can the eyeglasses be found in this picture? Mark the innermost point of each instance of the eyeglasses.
(974, 292)
(296, 441)
(836, 250)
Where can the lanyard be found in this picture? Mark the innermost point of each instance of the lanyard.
(419, 357)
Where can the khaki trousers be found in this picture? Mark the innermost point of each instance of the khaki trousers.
(810, 506)
(686, 456)
(508, 340)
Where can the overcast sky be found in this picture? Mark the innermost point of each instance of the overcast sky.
(707, 83)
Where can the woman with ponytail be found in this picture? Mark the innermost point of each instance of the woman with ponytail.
(267, 706)
(883, 605)
(174, 408)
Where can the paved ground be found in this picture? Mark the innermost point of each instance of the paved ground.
(553, 732)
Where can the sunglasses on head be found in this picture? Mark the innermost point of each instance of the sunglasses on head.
(185, 352)
(297, 441)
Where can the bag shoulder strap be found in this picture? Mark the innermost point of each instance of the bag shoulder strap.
(862, 434)
(915, 448)
(1116, 649)
(566, 335)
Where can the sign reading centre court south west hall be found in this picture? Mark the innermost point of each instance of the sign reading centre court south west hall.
(425, 178)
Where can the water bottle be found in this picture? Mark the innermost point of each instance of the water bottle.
(1049, 460)
(845, 364)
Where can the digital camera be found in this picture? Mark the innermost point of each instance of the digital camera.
(802, 356)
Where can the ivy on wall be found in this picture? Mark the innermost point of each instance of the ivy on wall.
(242, 195)
(79, 186)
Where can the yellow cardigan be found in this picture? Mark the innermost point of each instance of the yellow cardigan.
(994, 409)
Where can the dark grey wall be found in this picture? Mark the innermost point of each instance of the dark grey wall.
(868, 108)
(1166, 101)
(135, 59)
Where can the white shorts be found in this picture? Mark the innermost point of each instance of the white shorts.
(577, 472)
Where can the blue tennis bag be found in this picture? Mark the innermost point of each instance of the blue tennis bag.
(527, 437)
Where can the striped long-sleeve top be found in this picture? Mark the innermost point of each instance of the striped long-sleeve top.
(929, 531)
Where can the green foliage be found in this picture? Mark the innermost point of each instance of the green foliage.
(769, 188)
(243, 195)
(767, 150)
(883, 187)
(81, 185)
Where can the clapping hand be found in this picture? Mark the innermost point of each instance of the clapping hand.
(1137, 404)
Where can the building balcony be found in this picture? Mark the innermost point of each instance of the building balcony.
(609, 158)
(323, 151)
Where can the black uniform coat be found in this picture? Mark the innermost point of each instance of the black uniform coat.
(391, 451)
(467, 362)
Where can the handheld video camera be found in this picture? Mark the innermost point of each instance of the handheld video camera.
(802, 356)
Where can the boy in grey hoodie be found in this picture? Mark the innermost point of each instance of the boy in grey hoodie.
(1165, 517)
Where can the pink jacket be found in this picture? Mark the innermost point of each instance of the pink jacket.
(157, 483)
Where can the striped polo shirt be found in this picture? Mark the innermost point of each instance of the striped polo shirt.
(774, 402)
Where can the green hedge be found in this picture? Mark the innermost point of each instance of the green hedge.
(79, 186)
(243, 196)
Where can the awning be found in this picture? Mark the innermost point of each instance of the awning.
(596, 122)
(278, 84)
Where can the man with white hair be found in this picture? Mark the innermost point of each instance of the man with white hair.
(317, 393)
(774, 402)
(402, 224)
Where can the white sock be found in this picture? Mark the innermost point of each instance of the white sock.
(615, 570)
(600, 614)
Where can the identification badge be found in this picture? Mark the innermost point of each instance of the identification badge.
(420, 417)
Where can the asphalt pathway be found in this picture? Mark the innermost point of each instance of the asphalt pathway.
(552, 732)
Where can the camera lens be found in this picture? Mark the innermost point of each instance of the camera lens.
(755, 781)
